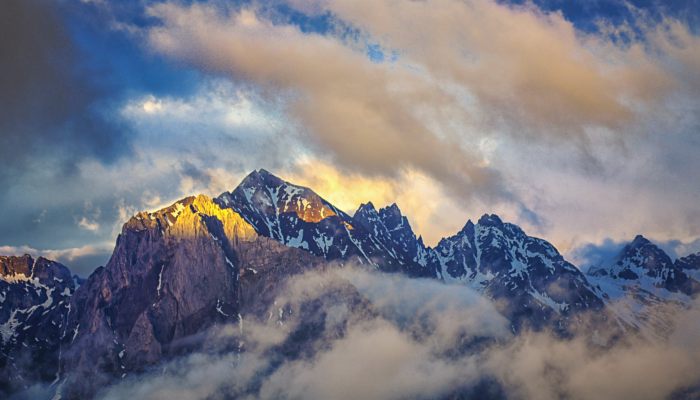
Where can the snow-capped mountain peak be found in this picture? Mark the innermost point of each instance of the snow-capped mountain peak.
(298, 217)
(266, 201)
(490, 220)
(366, 212)
(643, 287)
(646, 265)
(500, 260)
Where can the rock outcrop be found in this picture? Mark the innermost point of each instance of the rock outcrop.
(173, 274)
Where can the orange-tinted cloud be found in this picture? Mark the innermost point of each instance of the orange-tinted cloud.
(465, 72)
(374, 118)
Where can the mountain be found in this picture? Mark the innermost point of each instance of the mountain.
(298, 217)
(646, 264)
(392, 231)
(527, 275)
(173, 274)
(690, 265)
(643, 287)
(34, 301)
(178, 273)
(535, 284)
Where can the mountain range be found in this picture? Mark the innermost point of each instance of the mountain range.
(204, 262)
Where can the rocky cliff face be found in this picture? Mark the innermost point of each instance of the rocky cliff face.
(173, 274)
(34, 301)
(390, 230)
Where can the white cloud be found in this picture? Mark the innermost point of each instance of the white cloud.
(484, 108)
(573, 135)
(89, 225)
(398, 353)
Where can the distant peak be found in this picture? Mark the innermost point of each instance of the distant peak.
(639, 241)
(469, 226)
(392, 217)
(263, 171)
(490, 220)
(366, 207)
(643, 245)
(391, 209)
(260, 177)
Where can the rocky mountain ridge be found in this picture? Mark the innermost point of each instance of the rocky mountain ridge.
(204, 262)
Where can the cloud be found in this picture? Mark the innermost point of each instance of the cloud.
(537, 366)
(530, 68)
(88, 224)
(374, 361)
(375, 355)
(89, 221)
(47, 101)
(597, 254)
(511, 109)
(679, 248)
(461, 67)
(367, 114)
(54, 115)
(477, 107)
(419, 343)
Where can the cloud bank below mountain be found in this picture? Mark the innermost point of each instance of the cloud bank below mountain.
(422, 342)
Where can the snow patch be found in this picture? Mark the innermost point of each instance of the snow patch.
(160, 279)
(298, 241)
(219, 309)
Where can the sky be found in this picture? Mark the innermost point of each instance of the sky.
(577, 120)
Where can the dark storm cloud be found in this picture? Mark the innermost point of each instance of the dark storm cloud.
(49, 105)
(56, 111)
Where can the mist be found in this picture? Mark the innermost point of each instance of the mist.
(348, 333)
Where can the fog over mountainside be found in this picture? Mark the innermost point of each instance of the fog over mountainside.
(349, 199)
(423, 339)
(270, 291)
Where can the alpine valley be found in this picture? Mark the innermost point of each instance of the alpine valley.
(182, 278)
